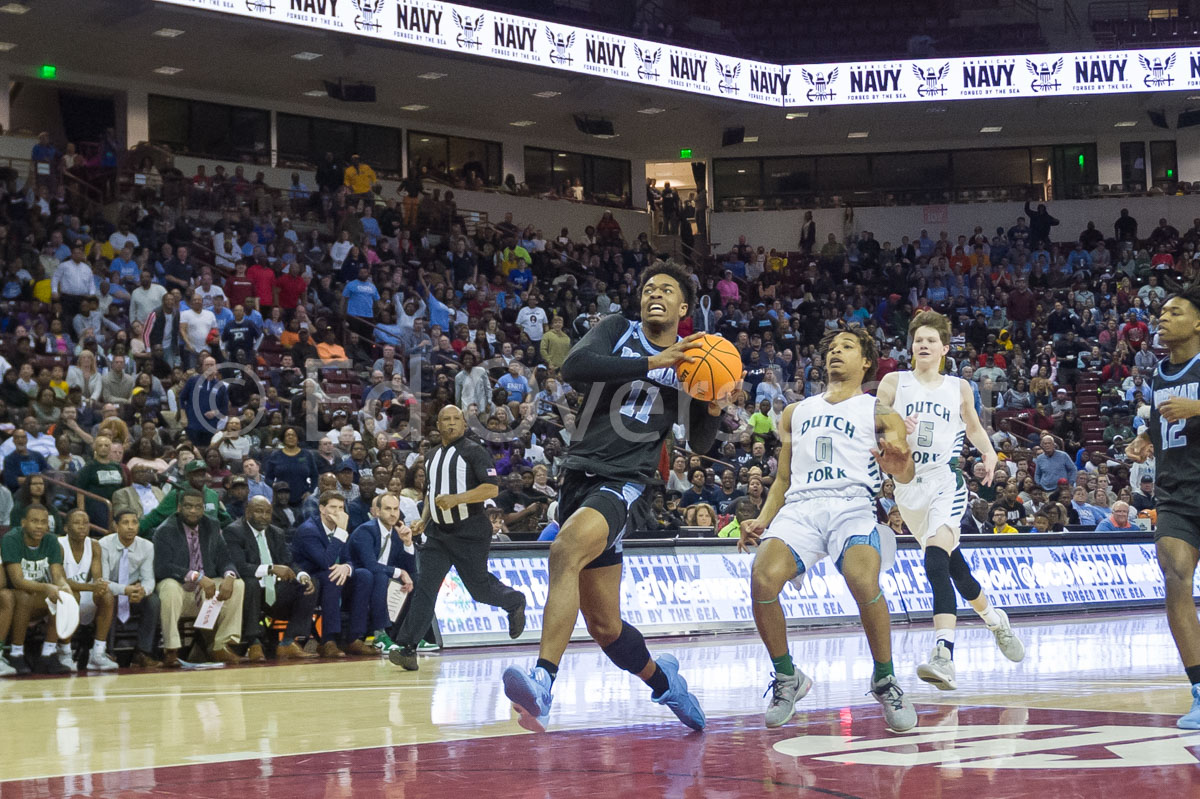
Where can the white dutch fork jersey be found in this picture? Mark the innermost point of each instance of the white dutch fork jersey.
(831, 449)
(938, 439)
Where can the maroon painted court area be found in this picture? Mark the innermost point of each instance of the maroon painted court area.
(847, 754)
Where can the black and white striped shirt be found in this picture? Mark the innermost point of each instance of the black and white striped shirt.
(452, 469)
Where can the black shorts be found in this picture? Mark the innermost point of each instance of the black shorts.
(1184, 526)
(609, 496)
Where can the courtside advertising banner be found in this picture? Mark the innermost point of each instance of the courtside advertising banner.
(522, 40)
(675, 592)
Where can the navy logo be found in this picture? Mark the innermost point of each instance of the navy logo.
(470, 28)
(1157, 71)
(1044, 79)
(368, 14)
(260, 6)
(647, 62)
(729, 76)
(561, 54)
(822, 84)
(931, 81)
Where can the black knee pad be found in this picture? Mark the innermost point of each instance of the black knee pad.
(964, 581)
(629, 651)
(937, 571)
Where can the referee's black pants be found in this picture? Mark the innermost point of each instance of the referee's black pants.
(469, 556)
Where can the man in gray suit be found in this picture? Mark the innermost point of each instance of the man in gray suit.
(141, 497)
(127, 564)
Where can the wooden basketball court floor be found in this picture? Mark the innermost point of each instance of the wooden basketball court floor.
(1091, 711)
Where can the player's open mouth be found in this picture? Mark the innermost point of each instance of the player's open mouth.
(657, 306)
(835, 361)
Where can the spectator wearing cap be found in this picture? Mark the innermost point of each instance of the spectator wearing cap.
(283, 515)
(1143, 497)
(1053, 465)
(196, 476)
(274, 586)
(1061, 404)
(237, 493)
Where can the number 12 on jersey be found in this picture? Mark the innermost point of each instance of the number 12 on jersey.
(1172, 434)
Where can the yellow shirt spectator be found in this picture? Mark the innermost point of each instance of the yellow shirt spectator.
(359, 177)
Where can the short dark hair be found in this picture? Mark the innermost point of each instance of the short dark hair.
(866, 343)
(191, 492)
(675, 272)
(1191, 294)
(122, 514)
(330, 496)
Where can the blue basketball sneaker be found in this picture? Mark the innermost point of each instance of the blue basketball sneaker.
(529, 692)
(1192, 720)
(683, 704)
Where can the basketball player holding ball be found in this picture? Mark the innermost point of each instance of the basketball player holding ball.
(633, 398)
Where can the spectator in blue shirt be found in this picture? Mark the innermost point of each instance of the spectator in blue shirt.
(370, 226)
(1118, 521)
(124, 267)
(361, 295)
(439, 314)
(514, 383)
(1053, 465)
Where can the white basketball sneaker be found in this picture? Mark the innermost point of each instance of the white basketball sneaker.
(100, 661)
(939, 671)
(1010, 645)
(785, 691)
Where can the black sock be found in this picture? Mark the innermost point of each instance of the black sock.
(948, 644)
(1193, 674)
(551, 668)
(658, 682)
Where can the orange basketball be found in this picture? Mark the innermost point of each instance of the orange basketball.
(716, 370)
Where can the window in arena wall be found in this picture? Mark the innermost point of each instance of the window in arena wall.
(992, 168)
(844, 174)
(735, 178)
(605, 180)
(1075, 170)
(910, 171)
(451, 156)
(210, 129)
(303, 141)
(1133, 163)
(1164, 166)
(783, 177)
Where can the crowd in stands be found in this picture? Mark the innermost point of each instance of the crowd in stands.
(201, 397)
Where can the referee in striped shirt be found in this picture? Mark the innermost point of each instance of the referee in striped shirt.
(462, 476)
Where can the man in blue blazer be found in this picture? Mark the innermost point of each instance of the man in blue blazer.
(320, 548)
(377, 546)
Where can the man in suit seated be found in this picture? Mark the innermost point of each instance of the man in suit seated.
(377, 546)
(272, 586)
(127, 562)
(319, 547)
(190, 555)
(141, 497)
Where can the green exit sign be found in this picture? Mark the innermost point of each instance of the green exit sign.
(49, 72)
(685, 152)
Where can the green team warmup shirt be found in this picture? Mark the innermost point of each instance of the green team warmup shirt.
(35, 561)
(100, 478)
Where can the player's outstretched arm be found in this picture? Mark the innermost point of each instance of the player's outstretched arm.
(892, 454)
(752, 529)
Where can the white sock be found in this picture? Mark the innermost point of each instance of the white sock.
(991, 617)
(946, 635)
(17, 650)
(98, 647)
(64, 649)
(48, 649)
